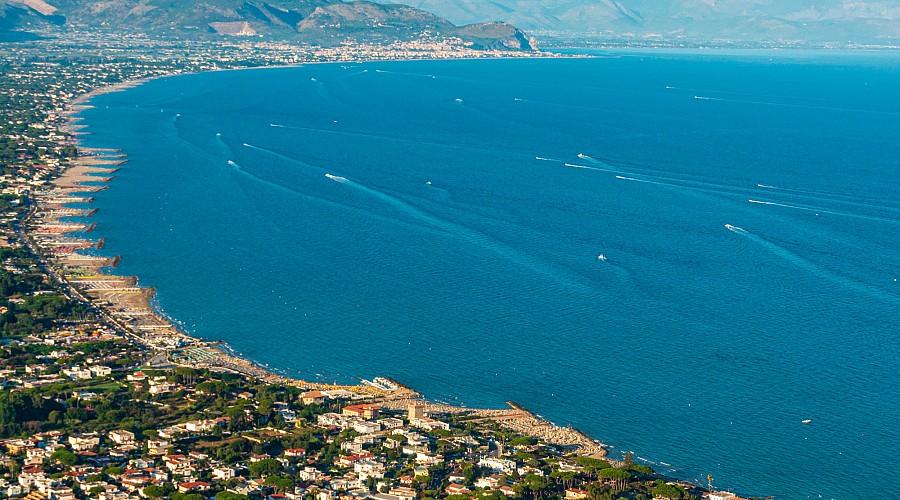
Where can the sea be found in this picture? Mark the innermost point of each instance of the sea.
(686, 255)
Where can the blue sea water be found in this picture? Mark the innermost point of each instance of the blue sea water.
(455, 246)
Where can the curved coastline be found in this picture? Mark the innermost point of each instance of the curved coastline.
(135, 312)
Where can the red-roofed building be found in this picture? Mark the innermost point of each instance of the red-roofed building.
(508, 491)
(457, 489)
(194, 486)
(362, 411)
(294, 452)
(349, 460)
(576, 494)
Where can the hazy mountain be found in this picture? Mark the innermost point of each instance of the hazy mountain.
(751, 20)
(317, 21)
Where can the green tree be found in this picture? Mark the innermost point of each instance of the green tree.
(592, 465)
(535, 484)
(64, 457)
(565, 478)
(265, 467)
(468, 472)
(154, 491)
(281, 483)
(670, 491)
(618, 477)
(227, 495)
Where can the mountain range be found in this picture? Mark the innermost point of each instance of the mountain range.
(854, 21)
(323, 22)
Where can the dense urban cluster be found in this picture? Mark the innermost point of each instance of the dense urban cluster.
(80, 418)
(88, 410)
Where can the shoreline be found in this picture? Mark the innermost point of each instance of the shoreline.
(133, 310)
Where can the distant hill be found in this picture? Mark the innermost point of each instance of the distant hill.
(859, 21)
(325, 22)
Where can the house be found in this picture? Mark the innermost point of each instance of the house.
(161, 387)
(391, 423)
(294, 453)
(507, 491)
(491, 482)
(289, 416)
(100, 371)
(364, 411)
(310, 474)
(430, 424)
(576, 494)
(427, 458)
(121, 437)
(30, 476)
(77, 373)
(61, 493)
(456, 477)
(84, 442)
(139, 463)
(456, 489)
(224, 473)
(366, 427)
(349, 460)
(85, 395)
(329, 419)
(312, 398)
(158, 447)
(134, 481)
(403, 493)
(137, 376)
(12, 490)
(199, 425)
(498, 465)
(369, 468)
(195, 486)
(525, 470)
(16, 446)
(178, 464)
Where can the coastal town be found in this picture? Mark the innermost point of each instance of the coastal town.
(104, 397)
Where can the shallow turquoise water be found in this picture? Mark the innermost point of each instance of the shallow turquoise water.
(444, 254)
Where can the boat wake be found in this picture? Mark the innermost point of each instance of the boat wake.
(337, 178)
(560, 275)
(814, 268)
(585, 167)
(823, 211)
(635, 179)
(829, 196)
